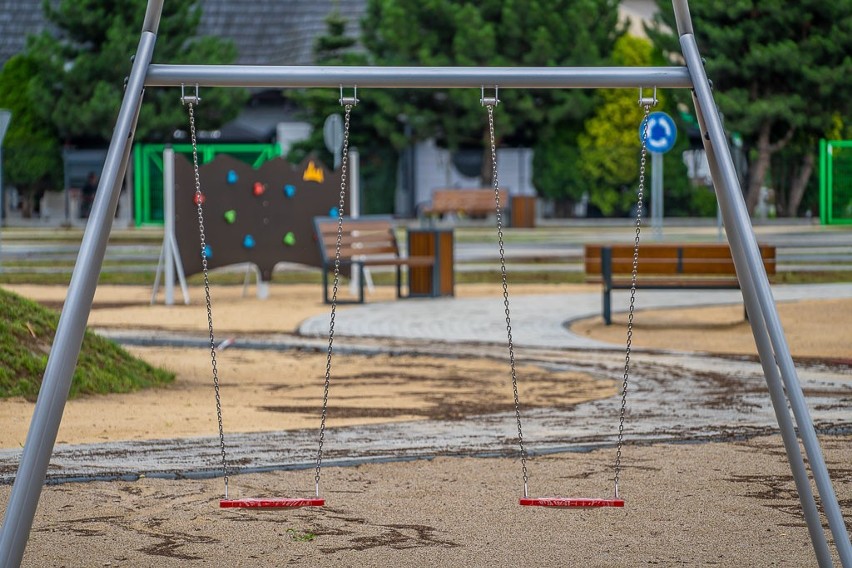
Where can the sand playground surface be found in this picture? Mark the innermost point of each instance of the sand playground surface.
(730, 503)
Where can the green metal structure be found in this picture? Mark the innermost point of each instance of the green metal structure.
(148, 171)
(835, 182)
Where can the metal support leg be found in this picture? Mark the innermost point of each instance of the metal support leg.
(72, 323)
(758, 294)
(779, 399)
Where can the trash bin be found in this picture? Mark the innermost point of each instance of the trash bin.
(523, 211)
(438, 279)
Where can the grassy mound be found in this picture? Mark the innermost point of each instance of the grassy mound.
(26, 334)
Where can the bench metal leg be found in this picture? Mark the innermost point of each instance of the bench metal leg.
(606, 276)
(325, 284)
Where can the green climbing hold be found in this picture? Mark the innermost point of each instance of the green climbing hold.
(230, 216)
(289, 239)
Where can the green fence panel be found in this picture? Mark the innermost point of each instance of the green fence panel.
(148, 171)
(835, 184)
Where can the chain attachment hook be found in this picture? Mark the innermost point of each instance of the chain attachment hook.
(349, 101)
(189, 99)
(648, 101)
(490, 101)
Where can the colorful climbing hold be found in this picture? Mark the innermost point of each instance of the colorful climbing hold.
(198, 198)
(232, 177)
(289, 190)
(333, 212)
(289, 239)
(230, 216)
(207, 252)
(248, 241)
(258, 188)
(313, 173)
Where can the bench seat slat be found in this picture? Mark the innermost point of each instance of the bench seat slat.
(366, 242)
(472, 201)
(667, 266)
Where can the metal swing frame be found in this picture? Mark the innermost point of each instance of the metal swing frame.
(778, 367)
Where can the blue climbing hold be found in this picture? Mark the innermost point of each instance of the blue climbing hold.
(333, 212)
(289, 190)
(248, 241)
(208, 252)
(232, 176)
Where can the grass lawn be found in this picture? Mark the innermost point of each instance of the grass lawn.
(26, 334)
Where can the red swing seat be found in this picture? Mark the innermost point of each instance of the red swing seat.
(570, 502)
(270, 503)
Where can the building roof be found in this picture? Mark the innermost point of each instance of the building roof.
(266, 32)
(275, 32)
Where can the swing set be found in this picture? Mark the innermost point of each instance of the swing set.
(782, 381)
(348, 103)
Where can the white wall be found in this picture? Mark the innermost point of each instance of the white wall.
(288, 133)
(434, 170)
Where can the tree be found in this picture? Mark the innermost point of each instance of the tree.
(608, 145)
(781, 72)
(32, 162)
(82, 61)
(490, 33)
(378, 155)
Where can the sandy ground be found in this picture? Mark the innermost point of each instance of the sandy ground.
(711, 504)
(727, 505)
(264, 391)
(814, 328)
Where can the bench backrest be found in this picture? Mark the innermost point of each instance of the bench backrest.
(361, 237)
(671, 259)
(469, 200)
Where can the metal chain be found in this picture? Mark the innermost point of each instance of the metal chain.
(499, 212)
(626, 377)
(199, 200)
(340, 206)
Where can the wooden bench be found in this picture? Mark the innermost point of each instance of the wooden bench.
(365, 242)
(467, 201)
(665, 266)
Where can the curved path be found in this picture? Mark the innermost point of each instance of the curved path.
(537, 321)
(673, 396)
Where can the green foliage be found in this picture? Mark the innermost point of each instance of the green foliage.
(490, 33)
(781, 71)
(378, 157)
(556, 167)
(26, 333)
(81, 67)
(609, 149)
(459, 33)
(31, 159)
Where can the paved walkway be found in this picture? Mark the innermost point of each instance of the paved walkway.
(674, 396)
(537, 321)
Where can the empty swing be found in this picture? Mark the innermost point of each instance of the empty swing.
(190, 101)
(569, 502)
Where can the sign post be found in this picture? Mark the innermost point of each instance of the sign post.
(332, 135)
(661, 137)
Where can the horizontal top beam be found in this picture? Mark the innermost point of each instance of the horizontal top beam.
(418, 77)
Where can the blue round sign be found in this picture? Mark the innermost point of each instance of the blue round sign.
(662, 132)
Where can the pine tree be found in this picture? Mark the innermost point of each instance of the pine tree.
(782, 73)
(83, 59)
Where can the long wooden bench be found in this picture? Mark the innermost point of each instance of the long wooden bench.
(466, 201)
(665, 266)
(365, 242)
